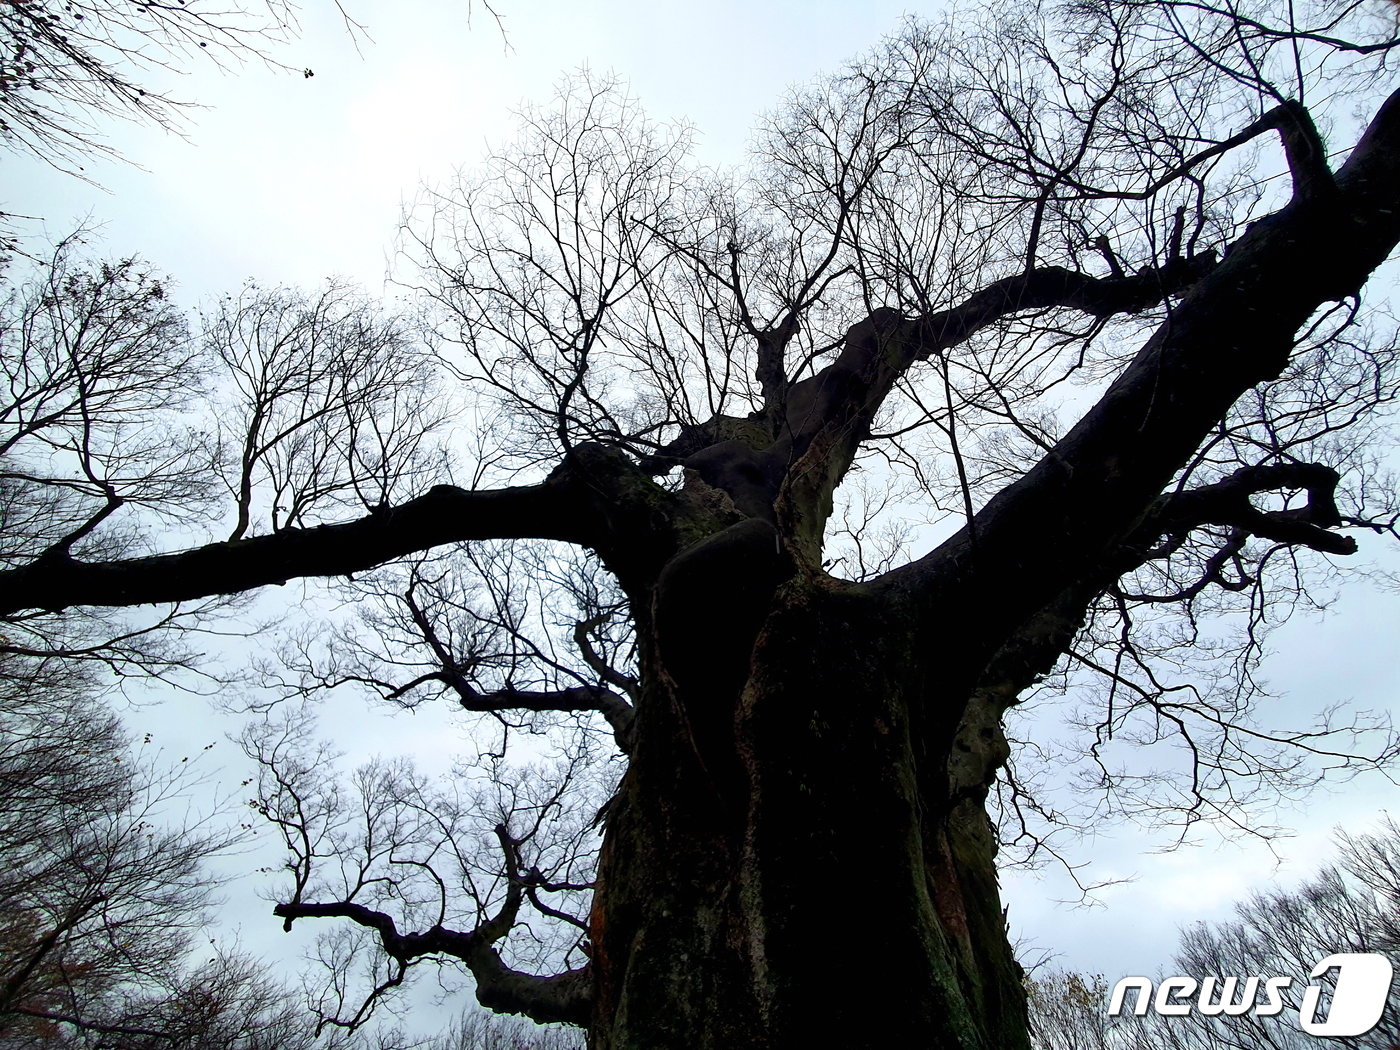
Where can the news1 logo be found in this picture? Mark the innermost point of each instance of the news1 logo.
(1358, 998)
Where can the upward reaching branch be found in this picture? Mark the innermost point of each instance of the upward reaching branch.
(1234, 329)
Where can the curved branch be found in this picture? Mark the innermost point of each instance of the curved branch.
(1213, 572)
(617, 711)
(1302, 147)
(565, 997)
(1226, 502)
(614, 708)
(606, 672)
(1055, 286)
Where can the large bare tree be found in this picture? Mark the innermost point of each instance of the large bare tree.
(1038, 343)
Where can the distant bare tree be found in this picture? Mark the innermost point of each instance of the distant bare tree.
(1069, 1011)
(102, 888)
(479, 1030)
(106, 894)
(1352, 905)
(283, 409)
(99, 422)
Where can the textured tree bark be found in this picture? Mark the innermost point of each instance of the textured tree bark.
(799, 855)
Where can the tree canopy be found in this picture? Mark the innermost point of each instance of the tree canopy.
(1039, 351)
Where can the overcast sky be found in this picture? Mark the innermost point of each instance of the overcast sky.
(290, 179)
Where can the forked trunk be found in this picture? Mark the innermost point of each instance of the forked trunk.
(787, 864)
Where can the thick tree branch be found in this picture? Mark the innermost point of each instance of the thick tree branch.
(610, 705)
(1227, 502)
(830, 414)
(445, 514)
(770, 369)
(1055, 286)
(1084, 501)
(1305, 152)
(846, 395)
(595, 498)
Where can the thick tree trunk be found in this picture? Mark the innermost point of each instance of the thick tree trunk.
(797, 858)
